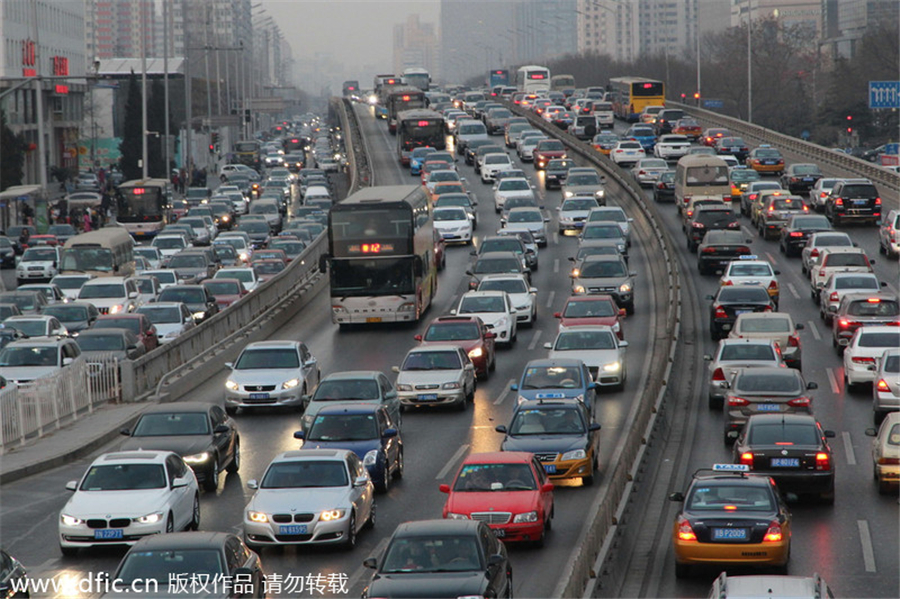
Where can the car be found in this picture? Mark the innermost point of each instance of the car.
(800, 178)
(111, 295)
(836, 259)
(24, 360)
(246, 275)
(666, 119)
(436, 375)
(719, 248)
(356, 387)
(584, 182)
(164, 277)
(732, 354)
(7, 253)
(169, 244)
(508, 490)
(138, 324)
(886, 385)
(28, 302)
(642, 134)
(454, 224)
(797, 230)
(778, 327)
(791, 448)
(627, 152)
(467, 332)
(527, 145)
(689, 127)
(862, 352)
(709, 136)
(556, 378)
(170, 319)
(560, 433)
(671, 147)
(74, 316)
(225, 291)
(51, 291)
(809, 254)
(732, 146)
(573, 212)
(418, 157)
(733, 300)
(592, 310)
(775, 212)
(840, 284)
(605, 142)
(646, 171)
(764, 390)
(271, 373)
(38, 264)
(607, 275)
(13, 577)
(751, 194)
(547, 150)
(268, 269)
(704, 219)
(459, 200)
(499, 262)
(37, 325)
(365, 429)
(600, 227)
(886, 453)
(441, 558)
(527, 218)
(291, 247)
(818, 193)
(866, 308)
(201, 433)
(745, 587)
(556, 171)
(730, 517)
(507, 189)
(521, 294)
(197, 298)
(750, 270)
(853, 200)
(599, 348)
(163, 496)
(765, 159)
(741, 178)
(99, 345)
(889, 234)
(612, 214)
(493, 163)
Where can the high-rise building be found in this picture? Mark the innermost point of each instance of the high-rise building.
(114, 28)
(845, 22)
(667, 26)
(544, 31)
(608, 27)
(476, 36)
(415, 45)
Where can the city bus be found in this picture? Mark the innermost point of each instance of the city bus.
(400, 99)
(417, 77)
(143, 206)
(351, 89)
(381, 253)
(419, 128)
(247, 152)
(498, 77)
(563, 83)
(532, 79)
(632, 94)
(383, 86)
(106, 252)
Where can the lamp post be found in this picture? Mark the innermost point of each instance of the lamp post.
(749, 66)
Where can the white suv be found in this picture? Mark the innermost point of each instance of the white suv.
(38, 265)
(111, 295)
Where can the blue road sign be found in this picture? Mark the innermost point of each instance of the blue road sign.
(884, 94)
(892, 149)
(713, 103)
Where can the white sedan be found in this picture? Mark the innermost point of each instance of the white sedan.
(671, 147)
(454, 224)
(511, 188)
(865, 348)
(495, 308)
(627, 152)
(126, 496)
(523, 296)
(598, 347)
(310, 496)
(246, 275)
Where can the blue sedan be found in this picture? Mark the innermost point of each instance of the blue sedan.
(417, 158)
(559, 378)
(644, 135)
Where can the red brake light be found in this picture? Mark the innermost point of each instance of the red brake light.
(823, 462)
(685, 532)
(878, 201)
(882, 386)
(747, 459)
(753, 196)
(843, 323)
(800, 402)
(721, 313)
(794, 341)
(814, 253)
(773, 284)
(738, 401)
(718, 375)
(773, 534)
(727, 283)
(873, 300)
(839, 202)
(863, 360)
(796, 233)
(833, 297)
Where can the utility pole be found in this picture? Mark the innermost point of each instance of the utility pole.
(188, 114)
(39, 102)
(165, 4)
(144, 152)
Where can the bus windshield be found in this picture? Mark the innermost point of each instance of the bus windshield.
(372, 277)
(140, 204)
(87, 258)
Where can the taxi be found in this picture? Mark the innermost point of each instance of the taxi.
(766, 159)
(740, 180)
(605, 142)
(688, 127)
(750, 270)
(730, 517)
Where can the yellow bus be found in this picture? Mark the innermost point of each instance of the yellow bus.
(632, 94)
(106, 252)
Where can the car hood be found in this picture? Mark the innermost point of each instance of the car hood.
(100, 504)
(591, 357)
(181, 444)
(514, 193)
(490, 318)
(583, 189)
(569, 214)
(269, 376)
(106, 302)
(538, 226)
(74, 326)
(428, 377)
(118, 354)
(603, 281)
(42, 263)
(313, 499)
(428, 584)
(544, 443)
(517, 502)
(360, 448)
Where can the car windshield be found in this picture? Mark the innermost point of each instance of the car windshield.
(705, 497)
(475, 478)
(305, 474)
(751, 381)
(269, 267)
(162, 566)
(423, 554)
(257, 227)
(743, 175)
(29, 328)
(169, 243)
(67, 313)
(602, 232)
(743, 351)
(70, 282)
(432, 360)
(783, 433)
(39, 255)
(124, 477)
(259, 358)
(806, 169)
(654, 163)
(343, 427)
(161, 314)
(846, 282)
(866, 339)
(602, 269)
(497, 265)
(892, 363)
(480, 304)
(833, 241)
(29, 356)
(186, 296)
(582, 179)
(750, 270)
(786, 204)
(766, 153)
(770, 324)
(450, 214)
(102, 291)
(172, 424)
(244, 275)
(187, 261)
(580, 309)
(547, 421)
(452, 199)
(874, 307)
(347, 389)
(165, 277)
(609, 215)
(460, 331)
(584, 340)
(849, 259)
(514, 185)
(578, 204)
(714, 218)
(805, 223)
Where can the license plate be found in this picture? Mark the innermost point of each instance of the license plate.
(550, 396)
(860, 202)
(259, 396)
(807, 179)
(427, 396)
(138, 232)
(550, 468)
(292, 529)
(739, 312)
(729, 534)
(785, 462)
(768, 162)
(108, 533)
(373, 319)
(500, 532)
(768, 407)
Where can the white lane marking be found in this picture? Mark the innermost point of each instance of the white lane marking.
(534, 340)
(452, 462)
(506, 391)
(770, 257)
(865, 538)
(793, 290)
(848, 447)
(746, 231)
(814, 330)
(833, 379)
(358, 574)
(556, 265)
(556, 238)
(550, 297)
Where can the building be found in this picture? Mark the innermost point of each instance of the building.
(44, 38)
(845, 22)
(608, 27)
(806, 14)
(415, 45)
(544, 31)
(475, 37)
(115, 28)
(667, 26)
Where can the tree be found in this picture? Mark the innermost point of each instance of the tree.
(131, 144)
(156, 122)
(12, 149)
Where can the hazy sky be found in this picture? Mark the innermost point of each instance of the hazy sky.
(357, 33)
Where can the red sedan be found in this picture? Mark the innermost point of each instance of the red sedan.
(592, 309)
(225, 291)
(469, 333)
(711, 136)
(508, 490)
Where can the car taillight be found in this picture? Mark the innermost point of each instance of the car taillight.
(721, 313)
(796, 234)
(685, 532)
(880, 386)
(839, 202)
(773, 534)
(772, 208)
(738, 401)
(862, 360)
(753, 196)
(660, 185)
(799, 402)
(888, 461)
(727, 283)
(878, 201)
(833, 297)
(697, 225)
(768, 309)
(743, 250)
(814, 253)
(773, 284)
(794, 341)
(844, 323)
(709, 251)
(747, 459)
(718, 375)
(823, 462)
(690, 213)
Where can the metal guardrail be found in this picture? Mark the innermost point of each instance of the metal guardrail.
(37, 408)
(357, 153)
(602, 520)
(885, 179)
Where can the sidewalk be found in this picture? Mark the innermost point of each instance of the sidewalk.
(71, 442)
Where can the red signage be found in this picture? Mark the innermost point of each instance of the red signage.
(60, 66)
(28, 53)
(61, 88)
(29, 72)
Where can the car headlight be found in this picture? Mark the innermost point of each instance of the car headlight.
(600, 193)
(335, 514)
(115, 309)
(371, 458)
(523, 308)
(569, 194)
(306, 421)
(231, 385)
(453, 385)
(579, 289)
(453, 516)
(521, 399)
(198, 315)
(70, 520)
(257, 517)
(502, 322)
(476, 353)
(150, 518)
(197, 458)
(290, 384)
(526, 517)
(172, 334)
(575, 454)
(403, 387)
(612, 367)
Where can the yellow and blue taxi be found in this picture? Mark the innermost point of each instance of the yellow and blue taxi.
(750, 270)
(766, 159)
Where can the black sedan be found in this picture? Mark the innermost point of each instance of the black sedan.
(208, 564)
(556, 172)
(732, 301)
(797, 231)
(12, 577)
(664, 188)
(800, 178)
(197, 298)
(792, 449)
(719, 248)
(441, 558)
(201, 433)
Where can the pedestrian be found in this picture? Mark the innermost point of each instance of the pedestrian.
(95, 219)
(54, 214)
(86, 219)
(28, 214)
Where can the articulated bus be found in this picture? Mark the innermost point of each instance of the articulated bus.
(143, 206)
(419, 128)
(533, 79)
(632, 94)
(417, 77)
(381, 252)
(400, 99)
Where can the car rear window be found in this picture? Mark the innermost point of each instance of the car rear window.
(743, 294)
(766, 325)
(832, 260)
(715, 218)
(768, 382)
(735, 352)
(784, 432)
(879, 308)
(870, 339)
(859, 191)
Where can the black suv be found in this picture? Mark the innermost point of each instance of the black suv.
(853, 199)
(707, 219)
(666, 118)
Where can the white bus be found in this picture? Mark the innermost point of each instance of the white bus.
(417, 77)
(533, 78)
(143, 206)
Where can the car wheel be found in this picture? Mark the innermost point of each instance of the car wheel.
(211, 483)
(370, 523)
(68, 551)
(682, 570)
(463, 403)
(195, 514)
(629, 309)
(170, 523)
(716, 403)
(384, 484)
(398, 472)
(493, 365)
(350, 542)
(235, 464)
(827, 498)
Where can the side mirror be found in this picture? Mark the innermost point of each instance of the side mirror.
(222, 429)
(67, 361)
(595, 426)
(592, 386)
(361, 481)
(777, 272)
(370, 562)
(395, 369)
(677, 496)
(557, 315)
(501, 429)
(132, 294)
(469, 367)
(709, 297)
(444, 488)
(229, 365)
(514, 387)
(872, 261)
(469, 272)
(389, 433)
(179, 482)
(548, 345)
(301, 435)
(495, 560)
(831, 434)
(623, 343)
(72, 485)
(252, 484)
(546, 487)
(707, 358)
(632, 273)
(800, 326)
(812, 385)
(453, 312)
(125, 431)
(418, 337)
(870, 432)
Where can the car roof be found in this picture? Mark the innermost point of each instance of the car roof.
(584, 328)
(352, 374)
(37, 342)
(273, 344)
(139, 455)
(492, 293)
(350, 408)
(428, 528)
(181, 540)
(782, 418)
(433, 348)
(106, 280)
(554, 362)
(307, 454)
